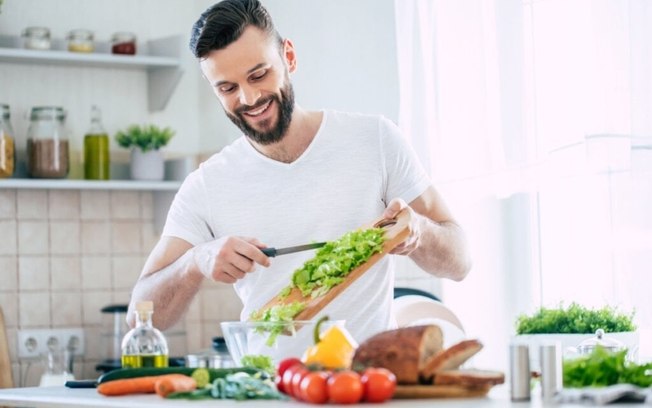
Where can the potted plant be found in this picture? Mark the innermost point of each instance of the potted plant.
(573, 324)
(145, 143)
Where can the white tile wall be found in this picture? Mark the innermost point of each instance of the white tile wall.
(8, 273)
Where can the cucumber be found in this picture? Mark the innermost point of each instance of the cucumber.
(122, 373)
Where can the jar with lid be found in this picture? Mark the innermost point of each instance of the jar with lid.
(81, 40)
(144, 345)
(123, 43)
(96, 149)
(37, 38)
(7, 144)
(48, 153)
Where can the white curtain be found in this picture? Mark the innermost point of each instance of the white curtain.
(534, 119)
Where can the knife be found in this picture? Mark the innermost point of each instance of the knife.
(282, 251)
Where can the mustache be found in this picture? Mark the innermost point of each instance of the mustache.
(240, 110)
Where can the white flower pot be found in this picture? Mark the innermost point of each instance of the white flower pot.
(147, 166)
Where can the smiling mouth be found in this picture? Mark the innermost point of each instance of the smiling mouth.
(258, 111)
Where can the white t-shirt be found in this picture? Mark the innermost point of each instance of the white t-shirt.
(354, 166)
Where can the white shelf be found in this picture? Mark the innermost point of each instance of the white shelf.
(67, 184)
(159, 58)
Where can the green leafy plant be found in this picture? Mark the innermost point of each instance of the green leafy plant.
(575, 319)
(602, 368)
(146, 137)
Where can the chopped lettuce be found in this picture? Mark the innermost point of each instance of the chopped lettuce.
(280, 314)
(602, 368)
(259, 361)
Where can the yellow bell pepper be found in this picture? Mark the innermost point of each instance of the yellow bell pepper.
(334, 349)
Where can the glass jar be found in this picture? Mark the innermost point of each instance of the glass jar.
(96, 149)
(48, 153)
(80, 40)
(144, 345)
(37, 38)
(7, 144)
(123, 43)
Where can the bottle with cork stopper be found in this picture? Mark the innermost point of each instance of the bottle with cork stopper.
(144, 345)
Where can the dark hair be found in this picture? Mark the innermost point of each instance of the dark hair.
(223, 23)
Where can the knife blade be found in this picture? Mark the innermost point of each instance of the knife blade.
(289, 250)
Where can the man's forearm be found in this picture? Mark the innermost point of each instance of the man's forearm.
(442, 250)
(171, 288)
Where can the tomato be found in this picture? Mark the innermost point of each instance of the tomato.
(345, 387)
(379, 384)
(286, 379)
(278, 381)
(314, 388)
(298, 374)
(285, 364)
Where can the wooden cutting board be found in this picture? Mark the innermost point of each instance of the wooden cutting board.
(6, 378)
(439, 391)
(396, 231)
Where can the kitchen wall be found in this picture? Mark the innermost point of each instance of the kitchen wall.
(65, 254)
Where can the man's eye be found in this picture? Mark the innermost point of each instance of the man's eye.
(227, 89)
(259, 75)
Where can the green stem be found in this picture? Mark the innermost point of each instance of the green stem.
(317, 327)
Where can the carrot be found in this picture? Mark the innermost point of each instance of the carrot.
(168, 384)
(139, 385)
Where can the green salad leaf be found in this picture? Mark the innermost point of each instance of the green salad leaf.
(575, 319)
(259, 361)
(602, 368)
(280, 314)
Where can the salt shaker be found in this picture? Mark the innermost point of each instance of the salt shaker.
(552, 380)
(519, 365)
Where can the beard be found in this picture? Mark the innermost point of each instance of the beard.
(266, 137)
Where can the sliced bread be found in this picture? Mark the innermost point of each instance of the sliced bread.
(469, 378)
(450, 358)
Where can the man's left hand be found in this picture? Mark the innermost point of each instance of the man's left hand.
(412, 241)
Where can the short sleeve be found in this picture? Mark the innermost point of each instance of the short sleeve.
(188, 217)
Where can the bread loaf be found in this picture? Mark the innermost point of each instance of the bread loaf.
(469, 378)
(403, 351)
(451, 358)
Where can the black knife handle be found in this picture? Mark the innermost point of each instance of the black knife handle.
(81, 383)
(269, 251)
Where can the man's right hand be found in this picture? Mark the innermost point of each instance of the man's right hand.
(229, 258)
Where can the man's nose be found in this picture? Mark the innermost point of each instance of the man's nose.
(249, 95)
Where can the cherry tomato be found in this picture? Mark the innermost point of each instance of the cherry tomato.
(285, 364)
(286, 380)
(379, 384)
(278, 381)
(345, 387)
(299, 373)
(314, 388)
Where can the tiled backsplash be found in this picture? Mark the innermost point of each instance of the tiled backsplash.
(65, 254)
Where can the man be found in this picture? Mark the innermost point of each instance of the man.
(296, 176)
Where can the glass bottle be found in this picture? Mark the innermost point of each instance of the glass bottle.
(144, 345)
(48, 154)
(7, 144)
(96, 149)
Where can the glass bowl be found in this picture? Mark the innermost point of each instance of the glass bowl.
(277, 340)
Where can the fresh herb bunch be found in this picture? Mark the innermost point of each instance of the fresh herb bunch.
(576, 319)
(146, 137)
(602, 368)
(333, 262)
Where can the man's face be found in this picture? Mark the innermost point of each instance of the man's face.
(251, 79)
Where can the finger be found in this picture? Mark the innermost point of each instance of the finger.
(225, 278)
(243, 263)
(253, 251)
(234, 271)
(394, 207)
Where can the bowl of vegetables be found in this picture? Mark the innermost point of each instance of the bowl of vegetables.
(277, 340)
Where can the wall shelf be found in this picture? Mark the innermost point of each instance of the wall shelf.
(159, 58)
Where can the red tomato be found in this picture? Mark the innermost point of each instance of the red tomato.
(286, 380)
(314, 388)
(299, 373)
(285, 364)
(379, 384)
(278, 381)
(345, 387)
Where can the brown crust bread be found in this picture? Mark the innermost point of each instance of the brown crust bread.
(451, 358)
(403, 351)
(469, 378)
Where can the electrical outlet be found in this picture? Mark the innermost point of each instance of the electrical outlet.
(34, 343)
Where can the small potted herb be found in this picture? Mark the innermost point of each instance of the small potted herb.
(573, 324)
(145, 143)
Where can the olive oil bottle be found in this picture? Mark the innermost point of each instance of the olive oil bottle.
(96, 149)
(144, 345)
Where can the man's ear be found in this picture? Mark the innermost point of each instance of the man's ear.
(289, 55)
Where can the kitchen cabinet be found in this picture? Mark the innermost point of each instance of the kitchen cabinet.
(160, 58)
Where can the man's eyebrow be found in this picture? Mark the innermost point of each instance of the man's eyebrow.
(255, 68)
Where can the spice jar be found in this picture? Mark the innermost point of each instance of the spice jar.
(7, 144)
(123, 43)
(80, 41)
(37, 38)
(48, 153)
